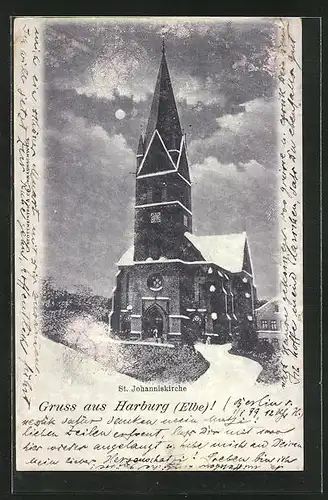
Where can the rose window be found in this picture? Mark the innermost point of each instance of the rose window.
(155, 282)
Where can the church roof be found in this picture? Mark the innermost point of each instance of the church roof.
(224, 250)
(163, 113)
(140, 150)
(269, 303)
(127, 257)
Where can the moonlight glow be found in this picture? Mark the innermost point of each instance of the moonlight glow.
(120, 114)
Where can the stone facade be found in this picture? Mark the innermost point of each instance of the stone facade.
(201, 300)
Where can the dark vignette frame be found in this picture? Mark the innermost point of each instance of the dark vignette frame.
(214, 483)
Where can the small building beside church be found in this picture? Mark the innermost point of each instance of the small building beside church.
(269, 320)
(173, 285)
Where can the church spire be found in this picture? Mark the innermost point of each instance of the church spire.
(163, 113)
(140, 150)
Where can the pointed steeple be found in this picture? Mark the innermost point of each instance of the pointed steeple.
(163, 113)
(163, 189)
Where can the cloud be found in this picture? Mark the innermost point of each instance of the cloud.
(120, 73)
(121, 57)
(132, 75)
(244, 176)
(97, 59)
(67, 47)
(193, 90)
(242, 137)
(91, 145)
(183, 30)
(269, 64)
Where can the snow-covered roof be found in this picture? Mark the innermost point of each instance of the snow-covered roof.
(127, 257)
(274, 300)
(224, 250)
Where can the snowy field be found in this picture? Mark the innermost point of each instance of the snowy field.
(66, 369)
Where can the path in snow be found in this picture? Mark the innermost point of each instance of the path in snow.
(226, 369)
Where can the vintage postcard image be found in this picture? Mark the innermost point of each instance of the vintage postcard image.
(158, 244)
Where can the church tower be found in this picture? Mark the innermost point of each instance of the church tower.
(174, 285)
(163, 188)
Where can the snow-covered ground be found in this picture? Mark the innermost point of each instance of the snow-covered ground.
(88, 364)
(226, 368)
(66, 370)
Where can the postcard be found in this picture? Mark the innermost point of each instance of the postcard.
(158, 244)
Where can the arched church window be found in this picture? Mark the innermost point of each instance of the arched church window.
(164, 191)
(197, 320)
(126, 324)
(127, 287)
(197, 324)
(199, 288)
(157, 194)
(142, 193)
(155, 250)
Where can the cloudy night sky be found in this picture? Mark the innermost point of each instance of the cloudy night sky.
(99, 81)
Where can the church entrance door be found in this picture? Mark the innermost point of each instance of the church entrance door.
(154, 323)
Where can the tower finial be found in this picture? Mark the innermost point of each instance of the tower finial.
(163, 44)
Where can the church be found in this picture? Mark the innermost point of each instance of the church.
(172, 285)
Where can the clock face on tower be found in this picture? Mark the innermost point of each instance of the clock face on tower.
(155, 282)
